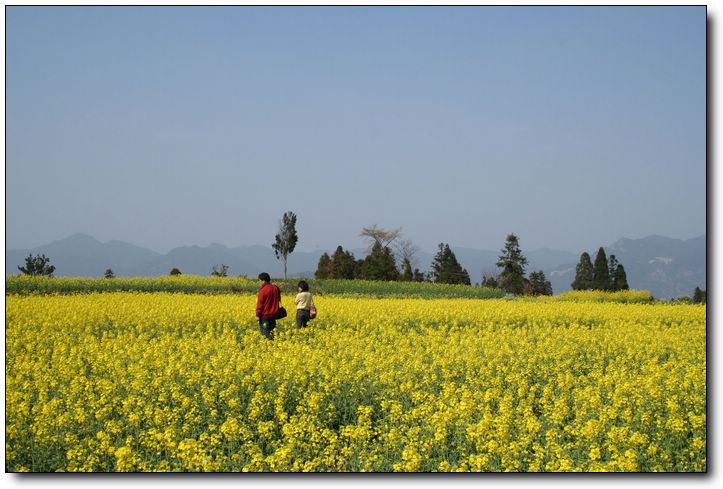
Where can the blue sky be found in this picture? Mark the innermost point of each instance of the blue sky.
(169, 126)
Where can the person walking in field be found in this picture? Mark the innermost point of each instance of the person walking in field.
(304, 303)
(267, 305)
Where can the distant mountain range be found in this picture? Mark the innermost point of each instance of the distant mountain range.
(666, 267)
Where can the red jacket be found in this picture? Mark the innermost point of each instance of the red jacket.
(267, 305)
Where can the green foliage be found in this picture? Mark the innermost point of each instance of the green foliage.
(699, 296)
(323, 269)
(583, 274)
(37, 266)
(446, 269)
(343, 264)
(379, 264)
(490, 281)
(601, 273)
(175, 271)
(286, 238)
(620, 279)
(512, 262)
(407, 274)
(109, 274)
(194, 284)
(539, 285)
(219, 271)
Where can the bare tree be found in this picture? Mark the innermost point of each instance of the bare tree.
(379, 235)
(407, 251)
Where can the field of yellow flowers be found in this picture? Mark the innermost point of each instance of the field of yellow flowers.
(136, 381)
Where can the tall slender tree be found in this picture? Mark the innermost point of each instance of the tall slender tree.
(286, 238)
(512, 262)
(620, 281)
(583, 273)
(601, 273)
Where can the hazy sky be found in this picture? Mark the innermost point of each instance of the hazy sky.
(171, 126)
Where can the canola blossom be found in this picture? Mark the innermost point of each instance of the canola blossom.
(132, 381)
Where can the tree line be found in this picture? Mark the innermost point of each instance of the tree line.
(381, 264)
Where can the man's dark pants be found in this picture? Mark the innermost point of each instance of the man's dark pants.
(266, 327)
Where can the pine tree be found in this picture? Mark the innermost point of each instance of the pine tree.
(512, 262)
(621, 279)
(490, 281)
(380, 264)
(539, 284)
(343, 264)
(601, 275)
(583, 274)
(109, 273)
(446, 269)
(323, 269)
(612, 271)
(699, 296)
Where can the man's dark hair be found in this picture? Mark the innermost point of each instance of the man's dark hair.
(303, 286)
(265, 277)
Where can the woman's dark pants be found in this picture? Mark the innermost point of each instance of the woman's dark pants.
(302, 318)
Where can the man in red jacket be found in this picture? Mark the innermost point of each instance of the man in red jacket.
(267, 305)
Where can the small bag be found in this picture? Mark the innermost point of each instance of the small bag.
(312, 312)
(282, 313)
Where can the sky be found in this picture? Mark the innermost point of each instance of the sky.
(571, 127)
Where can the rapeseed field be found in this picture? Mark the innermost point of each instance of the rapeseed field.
(136, 381)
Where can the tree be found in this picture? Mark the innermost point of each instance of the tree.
(343, 264)
(620, 280)
(490, 281)
(37, 266)
(699, 296)
(600, 272)
(406, 251)
(109, 274)
(612, 270)
(418, 276)
(379, 235)
(286, 239)
(323, 269)
(583, 273)
(407, 274)
(175, 271)
(539, 285)
(379, 264)
(512, 262)
(219, 271)
(446, 269)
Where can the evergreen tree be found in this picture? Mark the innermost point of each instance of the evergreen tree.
(699, 296)
(446, 269)
(286, 238)
(343, 264)
(539, 284)
(583, 274)
(620, 280)
(407, 274)
(512, 262)
(109, 273)
(175, 271)
(612, 271)
(323, 269)
(38, 265)
(380, 264)
(600, 273)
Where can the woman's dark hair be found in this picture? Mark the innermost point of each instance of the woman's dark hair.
(304, 286)
(264, 276)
